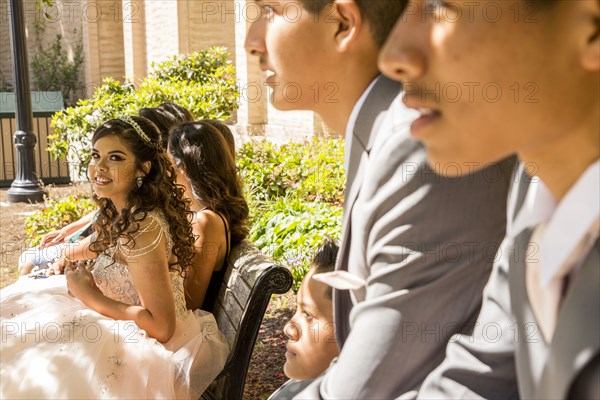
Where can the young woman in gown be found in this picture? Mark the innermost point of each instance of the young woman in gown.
(122, 330)
(165, 116)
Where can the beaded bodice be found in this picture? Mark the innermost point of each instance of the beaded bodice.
(114, 279)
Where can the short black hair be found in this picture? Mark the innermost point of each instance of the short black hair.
(326, 256)
(325, 259)
(380, 14)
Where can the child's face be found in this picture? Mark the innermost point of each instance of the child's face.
(312, 344)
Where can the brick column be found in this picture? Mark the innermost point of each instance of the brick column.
(252, 116)
(134, 34)
(103, 42)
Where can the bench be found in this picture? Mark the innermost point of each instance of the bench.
(238, 298)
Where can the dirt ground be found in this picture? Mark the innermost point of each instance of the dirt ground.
(12, 228)
(265, 373)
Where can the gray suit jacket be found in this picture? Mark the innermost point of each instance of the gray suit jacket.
(507, 356)
(424, 246)
(288, 390)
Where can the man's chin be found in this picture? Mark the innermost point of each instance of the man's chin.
(281, 104)
(290, 100)
(288, 370)
(456, 164)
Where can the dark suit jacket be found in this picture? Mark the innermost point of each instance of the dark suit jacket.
(422, 244)
(507, 356)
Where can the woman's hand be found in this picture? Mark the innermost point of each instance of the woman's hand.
(52, 238)
(80, 282)
(71, 256)
(59, 266)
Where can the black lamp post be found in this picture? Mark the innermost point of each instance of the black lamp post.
(26, 186)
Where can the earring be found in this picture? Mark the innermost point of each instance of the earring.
(139, 181)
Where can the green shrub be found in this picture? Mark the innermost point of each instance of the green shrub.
(58, 213)
(311, 171)
(290, 231)
(295, 192)
(52, 68)
(204, 82)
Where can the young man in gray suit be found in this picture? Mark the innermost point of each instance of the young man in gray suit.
(538, 334)
(416, 248)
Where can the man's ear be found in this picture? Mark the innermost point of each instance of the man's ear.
(350, 23)
(590, 43)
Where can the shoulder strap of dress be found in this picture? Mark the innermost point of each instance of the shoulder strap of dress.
(157, 225)
(226, 238)
(217, 276)
(227, 249)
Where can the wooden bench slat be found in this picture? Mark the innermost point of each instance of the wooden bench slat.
(239, 286)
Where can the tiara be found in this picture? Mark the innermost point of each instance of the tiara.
(128, 120)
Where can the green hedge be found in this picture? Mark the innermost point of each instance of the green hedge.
(310, 171)
(290, 230)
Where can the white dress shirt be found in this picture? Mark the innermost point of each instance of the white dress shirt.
(567, 223)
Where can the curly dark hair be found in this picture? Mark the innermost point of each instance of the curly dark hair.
(202, 152)
(158, 191)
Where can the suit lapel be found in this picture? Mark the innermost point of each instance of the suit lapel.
(383, 92)
(548, 370)
(532, 350)
(577, 337)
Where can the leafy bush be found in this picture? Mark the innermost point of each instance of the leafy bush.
(58, 213)
(290, 230)
(296, 191)
(312, 171)
(52, 68)
(204, 82)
